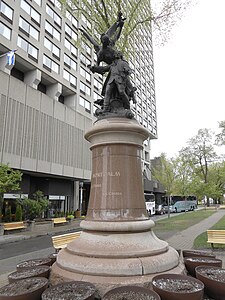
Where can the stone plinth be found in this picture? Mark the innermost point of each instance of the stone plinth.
(117, 245)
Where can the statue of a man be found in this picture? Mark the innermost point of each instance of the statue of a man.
(117, 86)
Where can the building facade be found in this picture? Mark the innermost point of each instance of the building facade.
(47, 100)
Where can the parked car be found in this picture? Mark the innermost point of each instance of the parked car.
(159, 209)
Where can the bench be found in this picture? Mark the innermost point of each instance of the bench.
(14, 225)
(61, 241)
(216, 237)
(59, 220)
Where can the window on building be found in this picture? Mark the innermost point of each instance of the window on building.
(69, 77)
(6, 10)
(53, 15)
(71, 48)
(70, 32)
(70, 62)
(85, 74)
(85, 103)
(97, 96)
(52, 31)
(85, 21)
(28, 29)
(71, 18)
(85, 89)
(31, 11)
(26, 46)
(50, 64)
(52, 47)
(97, 84)
(56, 3)
(86, 61)
(38, 2)
(5, 31)
(86, 48)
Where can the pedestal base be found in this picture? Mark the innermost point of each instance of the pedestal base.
(104, 283)
(115, 253)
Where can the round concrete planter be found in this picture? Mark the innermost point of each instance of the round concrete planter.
(39, 271)
(26, 289)
(192, 262)
(34, 263)
(176, 287)
(131, 293)
(214, 281)
(197, 253)
(70, 290)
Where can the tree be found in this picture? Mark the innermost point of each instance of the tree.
(163, 172)
(201, 154)
(183, 175)
(34, 208)
(220, 138)
(9, 181)
(102, 13)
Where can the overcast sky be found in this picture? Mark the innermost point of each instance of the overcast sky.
(190, 77)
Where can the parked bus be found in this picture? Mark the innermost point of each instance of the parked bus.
(180, 203)
(150, 203)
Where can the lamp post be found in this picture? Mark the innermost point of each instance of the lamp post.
(81, 196)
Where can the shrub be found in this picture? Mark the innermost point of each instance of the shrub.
(19, 213)
(8, 215)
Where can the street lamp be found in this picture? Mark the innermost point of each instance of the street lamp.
(81, 197)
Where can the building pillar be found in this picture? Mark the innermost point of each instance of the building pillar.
(70, 101)
(33, 78)
(54, 90)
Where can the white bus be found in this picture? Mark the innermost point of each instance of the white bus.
(150, 203)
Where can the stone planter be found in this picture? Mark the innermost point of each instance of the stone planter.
(197, 253)
(25, 289)
(176, 287)
(214, 281)
(70, 290)
(40, 225)
(192, 262)
(34, 263)
(131, 293)
(39, 271)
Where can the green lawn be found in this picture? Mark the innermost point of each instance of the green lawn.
(201, 241)
(182, 221)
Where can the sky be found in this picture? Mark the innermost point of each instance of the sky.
(190, 77)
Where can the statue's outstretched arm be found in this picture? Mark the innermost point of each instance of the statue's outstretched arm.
(90, 39)
(115, 30)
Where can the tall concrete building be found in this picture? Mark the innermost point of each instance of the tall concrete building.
(47, 100)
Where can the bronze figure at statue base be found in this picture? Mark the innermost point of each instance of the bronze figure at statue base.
(117, 245)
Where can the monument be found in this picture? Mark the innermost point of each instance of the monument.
(117, 245)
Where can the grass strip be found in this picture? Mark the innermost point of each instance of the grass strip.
(182, 221)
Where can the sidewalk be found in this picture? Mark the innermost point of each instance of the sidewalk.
(182, 240)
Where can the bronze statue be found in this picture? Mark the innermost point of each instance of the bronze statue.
(117, 89)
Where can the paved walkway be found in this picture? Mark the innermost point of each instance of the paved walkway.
(181, 240)
(185, 239)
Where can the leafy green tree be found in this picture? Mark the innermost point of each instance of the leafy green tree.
(201, 155)
(9, 181)
(34, 208)
(163, 171)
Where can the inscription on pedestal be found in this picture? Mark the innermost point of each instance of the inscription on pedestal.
(102, 174)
